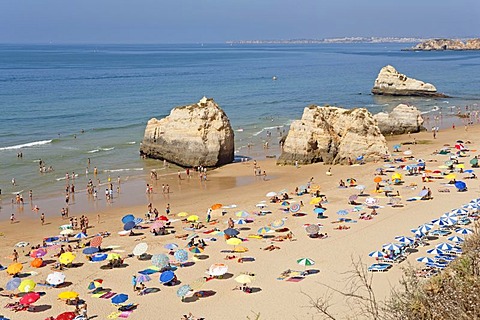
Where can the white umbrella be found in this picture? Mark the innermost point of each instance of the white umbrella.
(56, 278)
(370, 201)
(217, 269)
(425, 260)
(66, 232)
(456, 239)
(435, 251)
(403, 239)
(140, 249)
(271, 194)
(460, 211)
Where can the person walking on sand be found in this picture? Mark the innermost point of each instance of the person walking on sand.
(15, 256)
(264, 175)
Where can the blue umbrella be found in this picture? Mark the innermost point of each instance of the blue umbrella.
(377, 254)
(183, 290)
(468, 171)
(137, 221)
(90, 250)
(403, 239)
(181, 255)
(166, 276)
(128, 218)
(13, 284)
(52, 239)
(99, 257)
(319, 210)
(460, 185)
(397, 146)
(160, 260)
(444, 246)
(231, 232)
(359, 158)
(435, 251)
(129, 226)
(342, 212)
(440, 222)
(171, 246)
(425, 260)
(456, 239)
(464, 231)
(119, 298)
(391, 247)
(80, 235)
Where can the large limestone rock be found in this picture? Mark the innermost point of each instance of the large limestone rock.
(402, 119)
(447, 44)
(333, 135)
(391, 82)
(198, 134)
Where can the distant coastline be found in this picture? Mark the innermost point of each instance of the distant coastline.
(333, 40)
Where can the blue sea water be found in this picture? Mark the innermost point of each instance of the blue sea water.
(50, 93)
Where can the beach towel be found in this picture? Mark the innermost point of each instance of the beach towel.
(125, 314)
(295, 279)
(114, 315)
(108, 295)
(99, 294)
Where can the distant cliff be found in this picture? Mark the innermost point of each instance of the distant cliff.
(447, 44)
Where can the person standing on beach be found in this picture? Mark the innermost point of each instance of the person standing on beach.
(15, 256)
(12, 218)
(134, 283)
(264, 175)
(13, 182)
(30, 195)
(42, 218)
(167, 209)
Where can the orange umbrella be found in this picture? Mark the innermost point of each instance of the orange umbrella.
(36, 263)
(377, 179)
(216, 206)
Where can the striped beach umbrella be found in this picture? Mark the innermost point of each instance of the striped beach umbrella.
(435, 251)
(425, 260)
(160, 260)
(464, 231)
(242, 214)
(439, 222)
(294, 208)
(264, 230)
(456, 239)
(80, 235)
(444, 246)
(137, 221)
(459, 211)
(305, 262)
(240, 221)
(424, 228)
(171, 246)
(404, 239)
(277, 223)
(376, 254)
(391, 247)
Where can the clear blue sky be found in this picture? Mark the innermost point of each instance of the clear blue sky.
(184, 21)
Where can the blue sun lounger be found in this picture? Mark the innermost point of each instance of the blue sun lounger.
(379, 267)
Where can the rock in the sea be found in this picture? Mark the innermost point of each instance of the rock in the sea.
(447, 44)
(391, 82)
(198, 134)
(402, 119)
(333, 135)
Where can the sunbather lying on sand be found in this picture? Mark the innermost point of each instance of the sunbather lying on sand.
(342, 227)
(271, 248)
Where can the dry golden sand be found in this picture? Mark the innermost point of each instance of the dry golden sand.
(235, 184)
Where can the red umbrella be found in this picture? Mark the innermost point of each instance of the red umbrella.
(66, 316)
(38, 253)
(96, 242)
(30, 298)
(163, 218)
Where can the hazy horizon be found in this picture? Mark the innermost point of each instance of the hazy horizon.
(214, 21)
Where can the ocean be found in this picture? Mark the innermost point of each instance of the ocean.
(65, 104)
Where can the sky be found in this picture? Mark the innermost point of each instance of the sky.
(216, 21)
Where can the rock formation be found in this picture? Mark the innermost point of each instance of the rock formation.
(198, 134)
(391, 82)
(402, 119)
(447, 44)
(333, 135)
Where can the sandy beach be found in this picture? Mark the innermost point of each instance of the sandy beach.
(235, 184)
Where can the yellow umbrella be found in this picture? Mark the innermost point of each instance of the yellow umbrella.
(315, 200)
(244, 278)
(68, 295)
(14, 268)
(240, 249)
(182, 214)
(66, 258)
(396, 176)
(234, 241)
(460, 166)
(450, 176)
(27, 285)
(113, 256)
(192, 218)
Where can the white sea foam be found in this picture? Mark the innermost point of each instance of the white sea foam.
(26, 145)
(107, 149)
(93, 151)
(264, 129)
(131, 142)
(120, 170)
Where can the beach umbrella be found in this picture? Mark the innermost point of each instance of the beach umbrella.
(319, 210)
(468, 171)
(460, 185)
(99, 257)
(285, 203)
(474, 161)
(38, 253)
(241, 214)
(171, 246)
(353, 198)
(13, 284)
(312, 229)
(181, 255)
(444, 246)
(439, 222)
(244, 278)
(460, 166)
(163, 218)
(435, 251)
(464, 231)
(80, 235)
(408, 152)
(37, 263)
(234, 241)
(182, 214)
(137, 221)
(129, 225)
(68, 295)
(113, 256)
(305, 262)
(90, 250)
(183, 291)
(97, 283)
(425, 260)
(216, 206)
(143, 278)
(119, 298)
(55, 278)
(294, 208)
(30, 298)
(128, 218)
(471, 206)
(264, 230)
(391, 247)
(240, 221)
(370, 201)
(192, 218)
(69, 315)
(160, 260)
(271, 194)
(396, 176)
(22, 244)
(66, 232)
(157, 225)
(351, 180)
(424, 228)
(51, 239)
(27, 285)
(217, 269)
(377, 179)
(197, 284)
(450, 220)
(423, 193)
(456, 239)
(231, 232)
(397, 146)
(14, 268)
(277, 224)
(377, 254)
(140, 249)
(316, 200)
(96, 241)
(66, 258)
(404, 239)
(459, 212)
(166, 276)
(196, 249)
(342, 212)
